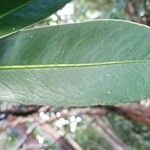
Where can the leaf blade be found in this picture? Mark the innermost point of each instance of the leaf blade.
(25, 13)
(76, 86)
(71, 69)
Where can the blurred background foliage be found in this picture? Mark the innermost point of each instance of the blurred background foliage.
(48, 128)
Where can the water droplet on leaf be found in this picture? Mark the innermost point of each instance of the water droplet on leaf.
(108, 75)
(108, 92)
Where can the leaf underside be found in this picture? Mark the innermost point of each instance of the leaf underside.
(84, 64)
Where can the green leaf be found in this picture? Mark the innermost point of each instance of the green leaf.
(83, 64)
(18, 14)
(10, 5)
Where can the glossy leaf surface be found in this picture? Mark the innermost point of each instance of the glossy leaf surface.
(17, 14)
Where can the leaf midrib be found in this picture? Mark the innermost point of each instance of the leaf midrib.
(20, 67)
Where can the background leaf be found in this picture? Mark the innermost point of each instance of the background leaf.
(92, 63)
(10, 5)
(18, 14)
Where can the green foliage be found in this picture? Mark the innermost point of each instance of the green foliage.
(8, 140)
(134, 135)
(76, 65)
(89, 139)
(14, 16)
